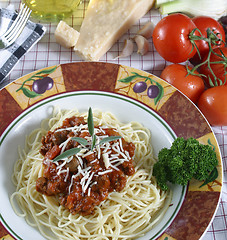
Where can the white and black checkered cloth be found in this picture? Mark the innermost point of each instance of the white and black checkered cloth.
(30, 35)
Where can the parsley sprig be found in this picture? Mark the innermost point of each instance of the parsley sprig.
(84, 142)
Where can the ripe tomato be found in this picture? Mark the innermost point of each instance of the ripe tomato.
(213, 105)
(218, 69)
(203, 23)
(171, 38)
(192, 86)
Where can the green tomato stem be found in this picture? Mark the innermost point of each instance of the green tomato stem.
(211, 39)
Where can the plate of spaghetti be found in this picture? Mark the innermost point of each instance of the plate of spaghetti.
(78, 146)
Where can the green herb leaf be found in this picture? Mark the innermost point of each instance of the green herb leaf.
(161, 93)
(212, 145)
(93, 142)
(46, 71)
(34, 78)
(90, 122)
(80, 140)
(66, 154)
(109, 139)
(213, 175)
(128, 79)
(28, 93)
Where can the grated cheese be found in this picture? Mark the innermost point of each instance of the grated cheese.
(106, 160)
(107, 147)
(98, 151)
(59, 168)
(114, 167)
(112, 156)
(117, 160)
(101, 130)
(67, 174)
(71, 183)
(94, 161)
(127, 154)
(74, 129)
(105, 172)
(79, 171)
(64, 144)
(116, 148)
(80, 160)
(88, 153)
(89, 192)
(93, 184)
(88, 182)
(121, 147)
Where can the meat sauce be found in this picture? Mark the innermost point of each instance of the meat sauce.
(85, 179)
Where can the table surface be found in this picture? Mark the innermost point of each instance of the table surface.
(47, 53)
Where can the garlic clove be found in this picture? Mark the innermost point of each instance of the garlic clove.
(127, 49)
(142, 44)
(147, 30)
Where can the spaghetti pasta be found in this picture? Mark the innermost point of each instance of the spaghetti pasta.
(123, 215)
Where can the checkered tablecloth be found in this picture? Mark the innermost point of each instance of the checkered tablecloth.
(11, 55)
(47, 53)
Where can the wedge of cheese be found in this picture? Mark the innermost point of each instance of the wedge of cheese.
(105, 22)
(66, 35)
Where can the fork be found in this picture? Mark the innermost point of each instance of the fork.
(10, 36)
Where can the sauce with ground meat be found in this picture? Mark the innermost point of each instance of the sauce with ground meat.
(84, 180)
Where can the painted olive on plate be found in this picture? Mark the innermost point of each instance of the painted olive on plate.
(42, 85)
(153, 91)
(140, 87)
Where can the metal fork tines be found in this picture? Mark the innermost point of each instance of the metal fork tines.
(10, 36)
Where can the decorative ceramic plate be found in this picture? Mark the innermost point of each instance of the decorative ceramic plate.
(130, 94)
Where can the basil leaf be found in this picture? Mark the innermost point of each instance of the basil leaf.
(66, 154)
(90, 122)
(109, 139)
(80, 140)
(213, 175)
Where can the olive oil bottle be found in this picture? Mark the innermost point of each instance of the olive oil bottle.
(52, 10)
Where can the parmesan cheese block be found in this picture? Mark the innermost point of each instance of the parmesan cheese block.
(66, 35)
(105, 22)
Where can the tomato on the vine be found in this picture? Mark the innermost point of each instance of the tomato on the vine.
(172, 38)
(203, 23)
(218, 65)
(192, 85)
(213, 105)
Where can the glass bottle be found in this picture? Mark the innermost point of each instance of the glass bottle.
(52, 10)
